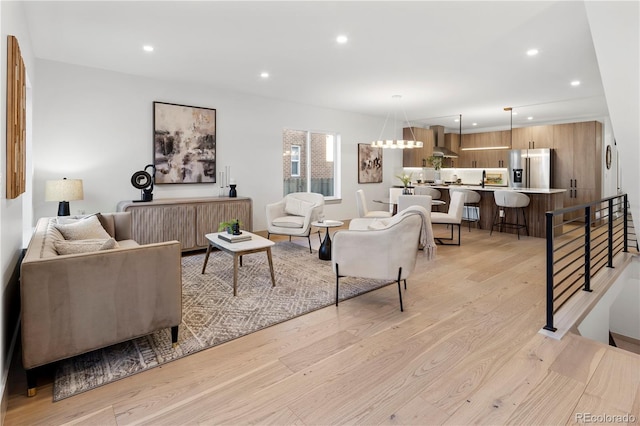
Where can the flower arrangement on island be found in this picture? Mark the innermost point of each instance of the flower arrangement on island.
(406, 179)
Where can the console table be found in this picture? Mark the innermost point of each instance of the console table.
(187, 220)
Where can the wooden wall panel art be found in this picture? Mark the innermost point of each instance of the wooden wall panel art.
(16, 119)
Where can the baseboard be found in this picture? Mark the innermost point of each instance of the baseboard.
(4, 402)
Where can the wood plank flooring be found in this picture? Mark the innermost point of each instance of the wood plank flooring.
(465, 351)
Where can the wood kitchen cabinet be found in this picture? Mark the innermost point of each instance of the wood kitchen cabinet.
(417, 157)
(577, 162)
(533, 137)
(479, 150)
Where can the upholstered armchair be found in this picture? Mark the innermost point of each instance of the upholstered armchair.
(382, 249)
(293, 215)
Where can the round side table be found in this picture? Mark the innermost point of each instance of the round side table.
(325, 248)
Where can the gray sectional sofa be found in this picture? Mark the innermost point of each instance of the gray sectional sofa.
(76, 303)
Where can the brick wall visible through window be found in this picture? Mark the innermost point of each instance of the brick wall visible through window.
(322, 179)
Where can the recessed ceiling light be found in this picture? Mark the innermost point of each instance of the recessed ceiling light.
(514, 113)
(474, 124)
(456, 120)
(147, 48)
(264, 74)
(342, 39)
(532, 52)
(529, 118)
(575, 83)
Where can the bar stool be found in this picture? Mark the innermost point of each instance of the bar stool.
(471, 206)
(510, 200)
(434, 193)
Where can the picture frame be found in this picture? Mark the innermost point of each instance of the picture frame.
(369, 163)
(184, 143)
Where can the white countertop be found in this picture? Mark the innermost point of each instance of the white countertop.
(501, 188)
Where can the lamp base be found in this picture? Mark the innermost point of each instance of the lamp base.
(63, 208)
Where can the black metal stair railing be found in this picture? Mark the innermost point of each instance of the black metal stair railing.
(578, 248)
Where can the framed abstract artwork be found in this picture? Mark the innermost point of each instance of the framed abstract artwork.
(369, 163)
(184, 143)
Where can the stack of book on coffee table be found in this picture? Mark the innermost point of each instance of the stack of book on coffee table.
(230, 238)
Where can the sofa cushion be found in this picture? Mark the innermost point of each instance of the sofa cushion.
(84, 246)
(297, 207)
(289, 222)
(84, 229)
(51, 235)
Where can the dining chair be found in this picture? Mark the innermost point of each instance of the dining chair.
(393, 199)
(405, 201)
(452, 218)
(363, 211)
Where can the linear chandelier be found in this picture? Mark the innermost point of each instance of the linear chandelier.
(397, 143)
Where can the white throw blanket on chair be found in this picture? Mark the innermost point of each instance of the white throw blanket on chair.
(427, 242)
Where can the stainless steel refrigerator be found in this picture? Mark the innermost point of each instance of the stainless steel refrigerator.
(530, 168)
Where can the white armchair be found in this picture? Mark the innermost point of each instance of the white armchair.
(293, 215)
(383, 249)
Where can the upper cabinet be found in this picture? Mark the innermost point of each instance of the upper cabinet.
(532, 137)
(417, 157)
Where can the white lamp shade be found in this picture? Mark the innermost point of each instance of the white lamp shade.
(64, 190)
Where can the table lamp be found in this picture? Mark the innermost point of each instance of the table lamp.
(64, 190)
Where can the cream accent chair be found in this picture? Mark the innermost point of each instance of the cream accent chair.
(293, 215)
(361, 204)
(381, 249)
(452, 218)
(405, 201)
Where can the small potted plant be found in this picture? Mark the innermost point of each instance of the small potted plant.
(406, 181)
(232, 227)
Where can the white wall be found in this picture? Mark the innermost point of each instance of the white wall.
(615, 30)
(617, 309)
(12, 22)
(97, 126)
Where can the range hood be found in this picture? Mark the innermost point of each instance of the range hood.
(445, 152)
(439, 148)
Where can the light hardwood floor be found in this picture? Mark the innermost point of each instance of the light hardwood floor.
(466, 350)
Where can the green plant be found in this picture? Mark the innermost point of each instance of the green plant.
(435, 161)
(224, 226)
(406, 179)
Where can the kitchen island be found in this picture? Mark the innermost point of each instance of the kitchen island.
(542, 201)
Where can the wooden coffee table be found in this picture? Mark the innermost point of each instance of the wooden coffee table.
(239, 249)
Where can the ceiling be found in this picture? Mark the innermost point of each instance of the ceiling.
(443, 58)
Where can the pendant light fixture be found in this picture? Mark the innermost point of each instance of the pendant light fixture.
(397, 143)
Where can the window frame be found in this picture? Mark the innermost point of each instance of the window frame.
(337, 169)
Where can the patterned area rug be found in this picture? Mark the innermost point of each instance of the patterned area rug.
(211, 315)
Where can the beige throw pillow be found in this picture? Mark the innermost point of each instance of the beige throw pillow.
(84, 229)
(84, 246)
(297, 207)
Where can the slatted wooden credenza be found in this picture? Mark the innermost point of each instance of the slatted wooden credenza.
(185, 219)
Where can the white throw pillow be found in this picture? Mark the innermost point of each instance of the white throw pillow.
(297, 207)
(374, 225)
(85, 229)
(84, 246)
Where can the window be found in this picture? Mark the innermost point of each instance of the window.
(295, 160)
(311, 162)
